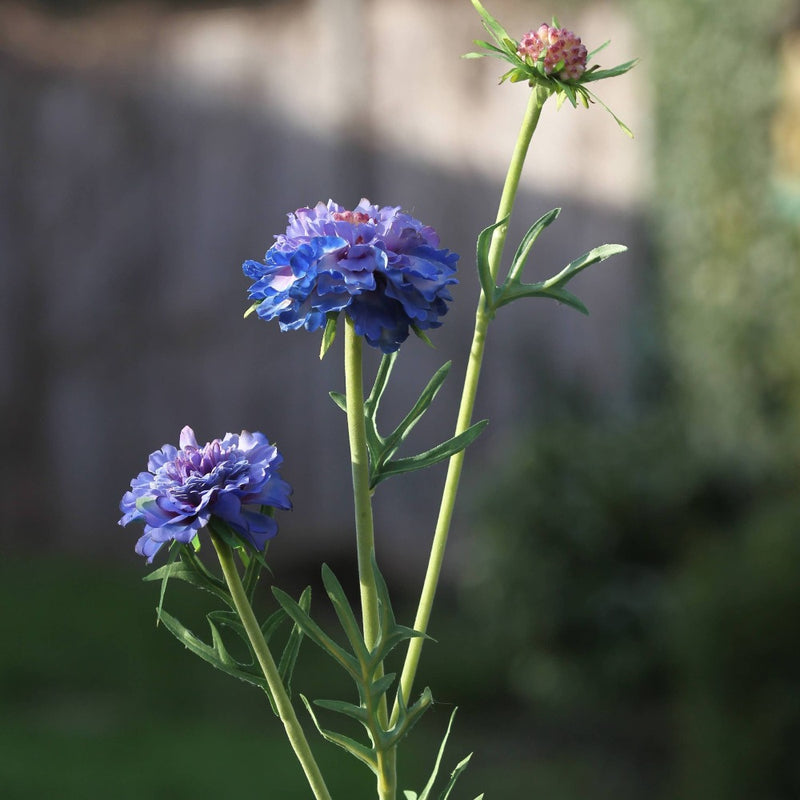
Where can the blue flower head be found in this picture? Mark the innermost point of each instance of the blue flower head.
(183, 488)
(380, 266)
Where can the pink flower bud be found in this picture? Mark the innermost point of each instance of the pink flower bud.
(555, 45)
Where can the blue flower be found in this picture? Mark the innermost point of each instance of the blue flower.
(184, 488)
(380, 266)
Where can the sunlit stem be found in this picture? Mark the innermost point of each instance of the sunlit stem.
(283, 704)
(365, 534)
(537, 99)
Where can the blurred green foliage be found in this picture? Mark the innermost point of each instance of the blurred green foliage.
(727, 255)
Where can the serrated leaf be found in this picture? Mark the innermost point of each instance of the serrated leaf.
(482, 259)
(316, 634)
(430, 457)
(528, 240)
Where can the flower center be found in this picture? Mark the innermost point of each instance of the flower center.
(353, 217)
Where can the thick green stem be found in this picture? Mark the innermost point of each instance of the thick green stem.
(365, 535)
(537, 99)
(283, 704)
(359, 462)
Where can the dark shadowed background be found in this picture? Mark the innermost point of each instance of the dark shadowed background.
(620, 611)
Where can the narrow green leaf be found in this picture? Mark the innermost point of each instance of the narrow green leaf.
(359, 751)
(379, 687)
(460, 767)
(524, 249)
(372, 404)
(474, 55)
(420, 334)
(316, 634)
(601, 74)
(209, 654)
(347, 618)
(594, 52)
(398, 436)
(593, 256)
(292, 648)
(432, 456)
(409, 795)
(496, 30)
(519, 290)
(407, 721)
(425, 794)
(190, 574)
(358, 713)
(339, 399)
(272, 623)
(329, 334)
(482, 260)
(251, 575)
(174, 552)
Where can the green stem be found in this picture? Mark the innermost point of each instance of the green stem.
(365, 534)
(537, 99)
(283, 704)
(359, 463)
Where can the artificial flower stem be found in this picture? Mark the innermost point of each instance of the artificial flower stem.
(365, 534)
(283, 704)
(537, 99)
(359, 462)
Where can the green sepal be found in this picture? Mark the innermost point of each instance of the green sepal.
(329, 334)
(432, 456)
(482, 261)
(528, 240)
(250, 309)
(421, 335)
(316, 634)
